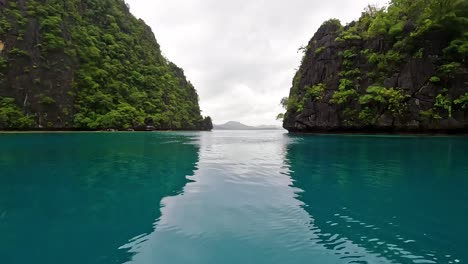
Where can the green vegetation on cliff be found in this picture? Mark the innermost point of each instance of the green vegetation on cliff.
(89, 64)
(404, 67)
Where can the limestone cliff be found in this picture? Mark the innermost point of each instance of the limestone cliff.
(396, 69)
(88, 65)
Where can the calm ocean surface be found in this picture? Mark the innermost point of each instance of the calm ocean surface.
(232, 197)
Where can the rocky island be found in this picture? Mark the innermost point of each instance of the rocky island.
(403, 68)
(88, 65)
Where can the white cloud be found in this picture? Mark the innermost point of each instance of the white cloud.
(241, 55)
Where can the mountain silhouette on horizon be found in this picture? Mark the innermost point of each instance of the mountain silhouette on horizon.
(235, 125)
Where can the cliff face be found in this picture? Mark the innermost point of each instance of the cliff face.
(88, 64)
(394, 70)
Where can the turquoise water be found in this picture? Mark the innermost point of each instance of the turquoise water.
(232, 197)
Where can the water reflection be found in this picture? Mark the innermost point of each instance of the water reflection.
(76, 198)
(240, 208)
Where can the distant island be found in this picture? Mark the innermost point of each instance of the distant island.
(234, 125)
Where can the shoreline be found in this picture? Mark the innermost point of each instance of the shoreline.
(88, 131)
(293, 133)
(383, 133)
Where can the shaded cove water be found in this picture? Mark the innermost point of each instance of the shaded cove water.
(232, 197)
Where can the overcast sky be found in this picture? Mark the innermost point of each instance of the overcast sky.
(241, 55)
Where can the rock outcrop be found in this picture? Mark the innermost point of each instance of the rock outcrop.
(88, 65)
(398, 75)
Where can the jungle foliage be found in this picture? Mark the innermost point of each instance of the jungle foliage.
(374, 48)
(120, 77)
